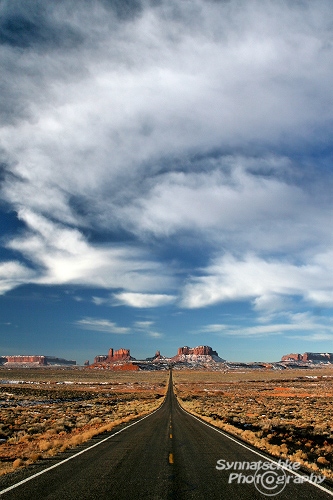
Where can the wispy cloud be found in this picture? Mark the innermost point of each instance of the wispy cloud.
(101, 325)
(143, 324)
(62, 255)
(13, 274)
(144, 300)
(98, 301)
(314, 337)
(146, 328)
(321, 328)
(155, 335)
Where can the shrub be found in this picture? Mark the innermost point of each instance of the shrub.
(18, 463)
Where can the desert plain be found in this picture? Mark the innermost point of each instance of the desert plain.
(287, 413)
(45, 411)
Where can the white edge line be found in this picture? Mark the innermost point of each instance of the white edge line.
(76, 454)
(256, 452)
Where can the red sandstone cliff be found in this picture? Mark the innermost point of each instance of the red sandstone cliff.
(201, 350)
(38, 360)
(120, 355)
(309, 356)
(199, 354)
(112, 356)
(26, 359)
(292, 357)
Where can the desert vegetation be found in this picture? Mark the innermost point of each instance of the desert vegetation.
(287, 414)
(46, 411)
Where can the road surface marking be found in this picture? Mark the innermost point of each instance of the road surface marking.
(170, 458)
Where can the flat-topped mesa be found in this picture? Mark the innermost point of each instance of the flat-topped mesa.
(119, 355)
(318, 356)
(40, 360)
(200, 350)
(201, 355)
(326, 357)
(35, 360)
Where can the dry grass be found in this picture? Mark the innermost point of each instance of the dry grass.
(44, 411)
(288, 414)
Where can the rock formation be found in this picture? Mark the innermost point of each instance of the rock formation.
(200, 350)
(157, 358)
(37, 360)
(120, 355)
(200, 354)
(292, 357)
(315, 357)
(113, 356)
(318, 356)
(100, 358)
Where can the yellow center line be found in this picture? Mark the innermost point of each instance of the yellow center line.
(170, 458)
(170, 436)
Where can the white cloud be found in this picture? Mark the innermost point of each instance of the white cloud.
(155, 335)
(159, 126)
(271, 302)
(315, 337)
(64, 256)
(101, 325)
(13, 274)
(221, 204)
(144, 300)
(216, 75)
(320, 297)
(145, 327)
(321, 328)
(143, 324)
(98, 301)
(215, 328)
(78, 298)
(229, 278)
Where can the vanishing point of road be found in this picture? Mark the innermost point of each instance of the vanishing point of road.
(166, 455)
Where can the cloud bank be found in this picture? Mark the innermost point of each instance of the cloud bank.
(170, 152)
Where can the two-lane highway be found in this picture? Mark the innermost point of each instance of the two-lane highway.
(167, 455)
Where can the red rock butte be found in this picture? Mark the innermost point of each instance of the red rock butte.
(112, 356)
(309, 356)
(200, 350)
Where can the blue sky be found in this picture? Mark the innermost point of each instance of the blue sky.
(166, 177)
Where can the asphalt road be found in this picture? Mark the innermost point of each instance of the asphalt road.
(167, 455)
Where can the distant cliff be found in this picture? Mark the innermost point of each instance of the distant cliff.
(200, 350)
(113, 356)
(35, 360)
(200, 354)
(315, 357)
